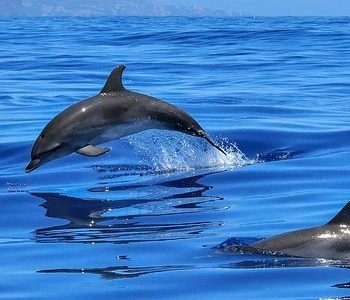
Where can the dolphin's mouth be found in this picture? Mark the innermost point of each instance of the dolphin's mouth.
(32, 165)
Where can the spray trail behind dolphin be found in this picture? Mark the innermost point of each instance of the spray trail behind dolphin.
(175, 152)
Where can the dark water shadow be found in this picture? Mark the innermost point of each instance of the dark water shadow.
(129, 220)
(120, 272)
(278, 262)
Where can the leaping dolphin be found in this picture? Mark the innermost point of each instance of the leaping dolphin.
(112, 114)
(329, 241)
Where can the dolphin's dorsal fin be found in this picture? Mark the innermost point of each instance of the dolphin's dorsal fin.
(342, 217)
(114, 81)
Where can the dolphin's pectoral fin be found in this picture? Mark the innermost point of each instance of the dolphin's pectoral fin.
(93, 151)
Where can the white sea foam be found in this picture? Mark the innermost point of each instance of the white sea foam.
(178, 152)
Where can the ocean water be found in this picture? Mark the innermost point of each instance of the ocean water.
(143, 221)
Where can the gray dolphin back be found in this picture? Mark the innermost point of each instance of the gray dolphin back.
(330, 241)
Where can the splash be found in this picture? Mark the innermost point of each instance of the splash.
(174, 151)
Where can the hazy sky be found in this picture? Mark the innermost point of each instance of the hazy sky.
(277, 7)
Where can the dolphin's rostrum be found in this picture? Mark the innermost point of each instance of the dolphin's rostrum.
(112, 114)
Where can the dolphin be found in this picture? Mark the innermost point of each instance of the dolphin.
(328, 241)
(114, 113)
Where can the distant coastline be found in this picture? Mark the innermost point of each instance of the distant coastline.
(33, 8)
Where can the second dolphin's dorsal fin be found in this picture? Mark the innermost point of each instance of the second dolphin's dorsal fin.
(114, 81)
(342, 217)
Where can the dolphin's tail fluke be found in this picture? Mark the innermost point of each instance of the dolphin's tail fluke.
(212, 143)
(207, 138)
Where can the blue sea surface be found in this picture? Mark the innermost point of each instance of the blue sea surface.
(144, 220)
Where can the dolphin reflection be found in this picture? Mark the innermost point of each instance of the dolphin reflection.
(128, 220)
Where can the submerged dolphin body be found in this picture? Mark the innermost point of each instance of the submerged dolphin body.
(112, 114)
(329, 241)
